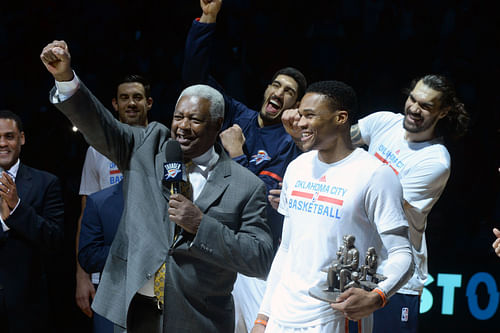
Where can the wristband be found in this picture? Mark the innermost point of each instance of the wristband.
(260, 322)
(382, 296)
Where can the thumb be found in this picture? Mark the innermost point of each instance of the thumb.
(345, 295)
(61, 54)
(496, 232)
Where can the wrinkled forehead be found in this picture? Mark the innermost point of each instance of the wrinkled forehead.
(424, 93)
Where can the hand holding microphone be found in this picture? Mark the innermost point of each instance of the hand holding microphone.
(181, 210)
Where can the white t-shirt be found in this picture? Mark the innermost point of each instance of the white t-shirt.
(322, 203)
(423, 169)
(98, 173)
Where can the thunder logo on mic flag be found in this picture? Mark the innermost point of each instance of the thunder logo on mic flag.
(172, 172)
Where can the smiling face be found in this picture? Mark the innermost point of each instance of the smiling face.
(317, 122)
(132, 104)
(422, 112)
(193, 126)
(280, 95)
(11, 140)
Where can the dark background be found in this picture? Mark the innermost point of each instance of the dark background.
(376, 46)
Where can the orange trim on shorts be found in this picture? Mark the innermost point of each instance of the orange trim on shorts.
(271, 174)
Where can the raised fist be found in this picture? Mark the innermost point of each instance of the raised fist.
(56, 58)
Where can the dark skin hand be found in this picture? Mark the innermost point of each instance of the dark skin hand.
(184, 213)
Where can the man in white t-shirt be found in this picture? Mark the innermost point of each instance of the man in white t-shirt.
(132, 102)
(331, 191)
(412, 145)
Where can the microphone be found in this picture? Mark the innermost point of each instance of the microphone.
(174, 176)
(174, 170)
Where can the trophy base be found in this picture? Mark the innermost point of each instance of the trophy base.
(322, 293)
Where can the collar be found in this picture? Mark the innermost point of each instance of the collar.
(207, 159)
(14, 169)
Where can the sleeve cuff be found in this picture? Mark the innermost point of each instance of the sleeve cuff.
(66, 89)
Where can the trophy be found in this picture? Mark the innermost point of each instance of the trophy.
(344, 272)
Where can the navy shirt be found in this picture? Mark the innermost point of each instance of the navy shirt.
(267, 150)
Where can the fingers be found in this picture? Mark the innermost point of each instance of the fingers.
(496, 232)
(55, 51)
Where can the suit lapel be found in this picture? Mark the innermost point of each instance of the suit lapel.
(23, 181)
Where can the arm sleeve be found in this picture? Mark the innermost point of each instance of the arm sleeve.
(45, 228)
(196, 67)
(249, 250)
(100, 129)
(399, 266)
(373, 123)
(92, 251)
(384, 204)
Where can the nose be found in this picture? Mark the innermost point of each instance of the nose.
(414, 108)
(3, 141)
(132, 102)
(183, 124)
(302, 122)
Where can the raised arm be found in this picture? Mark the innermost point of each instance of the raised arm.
(100, 129)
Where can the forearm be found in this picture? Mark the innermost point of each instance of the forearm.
(399, 266)
(100, 129)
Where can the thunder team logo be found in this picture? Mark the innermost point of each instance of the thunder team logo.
(172, 172)
(260, 157)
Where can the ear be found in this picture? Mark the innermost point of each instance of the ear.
(149, 103)
(444, 112)
(22, 138)
(115, 104)
(342, 117)
(219, 122)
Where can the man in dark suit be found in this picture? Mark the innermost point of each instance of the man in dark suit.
(31, 217)
(101, 218)
(224, 226)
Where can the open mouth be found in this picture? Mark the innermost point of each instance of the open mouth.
(306, 136)
(275, 104)
(183, 140)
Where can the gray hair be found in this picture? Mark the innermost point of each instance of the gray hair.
(212, 95)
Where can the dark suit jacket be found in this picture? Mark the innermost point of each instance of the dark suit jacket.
(36, 227)
(99, 223)
(233, 235)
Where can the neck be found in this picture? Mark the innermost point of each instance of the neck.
(263, 123)
(420, 137)
(340, 149)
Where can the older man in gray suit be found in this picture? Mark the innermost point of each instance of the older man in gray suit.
(224, 229)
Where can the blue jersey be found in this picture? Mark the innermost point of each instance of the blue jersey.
(267, 150)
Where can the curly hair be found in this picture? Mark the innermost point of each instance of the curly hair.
(456, 123)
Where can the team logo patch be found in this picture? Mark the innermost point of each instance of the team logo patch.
(172, 172)
(260, 157)
(404, 314)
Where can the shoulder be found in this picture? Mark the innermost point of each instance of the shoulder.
(385, 118)
(42, 178)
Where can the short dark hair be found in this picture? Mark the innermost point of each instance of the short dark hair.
(132, 78)
(340, 96)
(456, 123)
(7, 114)
(297, 76)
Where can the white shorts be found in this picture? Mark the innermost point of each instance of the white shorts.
(248, 293)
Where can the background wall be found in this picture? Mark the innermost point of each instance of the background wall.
(376, 46)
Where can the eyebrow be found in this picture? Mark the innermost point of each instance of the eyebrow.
(426, 104)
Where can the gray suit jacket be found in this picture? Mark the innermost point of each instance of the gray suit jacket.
(233, 235)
